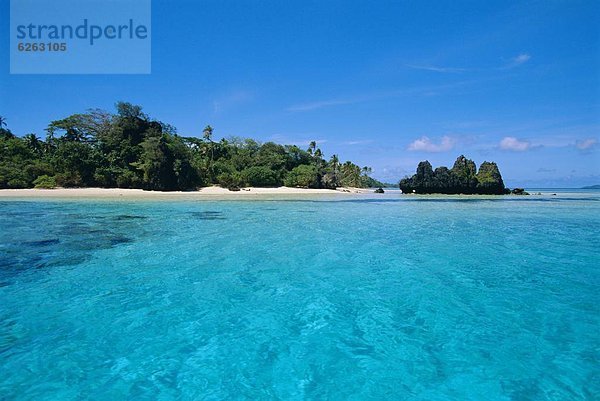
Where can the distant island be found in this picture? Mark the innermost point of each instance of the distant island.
(131, 150)
(597, 186)
(462, 178)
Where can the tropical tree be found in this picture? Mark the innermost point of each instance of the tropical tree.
(334, 162)
(4, 131)
(207, 134)
(129, 149)
(33, 143)
(351, 175)
(304, 176)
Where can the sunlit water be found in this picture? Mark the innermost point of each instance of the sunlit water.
(391, 298)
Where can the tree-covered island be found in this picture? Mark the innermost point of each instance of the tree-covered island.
(131, 150)
(462, 178)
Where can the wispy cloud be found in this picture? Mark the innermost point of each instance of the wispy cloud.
(231, 99)
(546, 170)
(521, 58)
(423, 91)
(435, 68)
(424, 144)
(359, 142)
(586, 144)
(513, 144)
(325, 103)
(518, 60)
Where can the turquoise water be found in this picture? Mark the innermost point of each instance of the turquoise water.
(414, 298)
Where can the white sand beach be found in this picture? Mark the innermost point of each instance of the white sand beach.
(204, 193)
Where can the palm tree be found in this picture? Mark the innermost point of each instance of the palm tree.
(335, 163)
(311, 147)
(207, 133)
(50, 137)
(5, 132)
(33, 142)
(350, 174)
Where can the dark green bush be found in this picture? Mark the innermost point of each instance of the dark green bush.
(260, 176)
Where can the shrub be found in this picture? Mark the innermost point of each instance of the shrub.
(44, 181)
(230, 180)
(69, 180)
(260, 176)
(17, 183)
(302, 176)
(13, 177)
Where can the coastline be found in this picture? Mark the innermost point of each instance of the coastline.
(215, 193)
(203, 193)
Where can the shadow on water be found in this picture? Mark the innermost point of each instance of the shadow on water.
(129, 217)
(52, 238)
(44, 242)
(208, 215)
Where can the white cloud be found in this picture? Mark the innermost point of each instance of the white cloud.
(513, 62)
(518, 60)
(324, 103)
(586, 144)
(369, 97)
(521, 59)
(424, 144)
(359, 142)
(513, 144)
(435, 68)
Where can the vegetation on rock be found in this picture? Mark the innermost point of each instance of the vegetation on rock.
(463, 178)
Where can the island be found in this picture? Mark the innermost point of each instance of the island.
(462, 178)
(130, 150)
(597, 186)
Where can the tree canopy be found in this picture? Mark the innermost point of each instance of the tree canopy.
(129, 149)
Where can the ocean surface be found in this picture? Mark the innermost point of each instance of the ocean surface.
(348, 298)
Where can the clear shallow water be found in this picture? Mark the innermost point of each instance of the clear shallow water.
(393, 298)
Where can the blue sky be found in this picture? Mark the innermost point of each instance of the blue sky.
(385, 84)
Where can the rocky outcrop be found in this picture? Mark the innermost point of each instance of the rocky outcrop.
(520, 191)
(463, 178)
(465, 172)
(489, 179)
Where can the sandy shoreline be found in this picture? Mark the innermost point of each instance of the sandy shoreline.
(204, 193)
(218, 193)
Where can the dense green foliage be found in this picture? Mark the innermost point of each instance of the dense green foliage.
(43, 181)
(302, 176)
(463, 178)
(130, 150)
